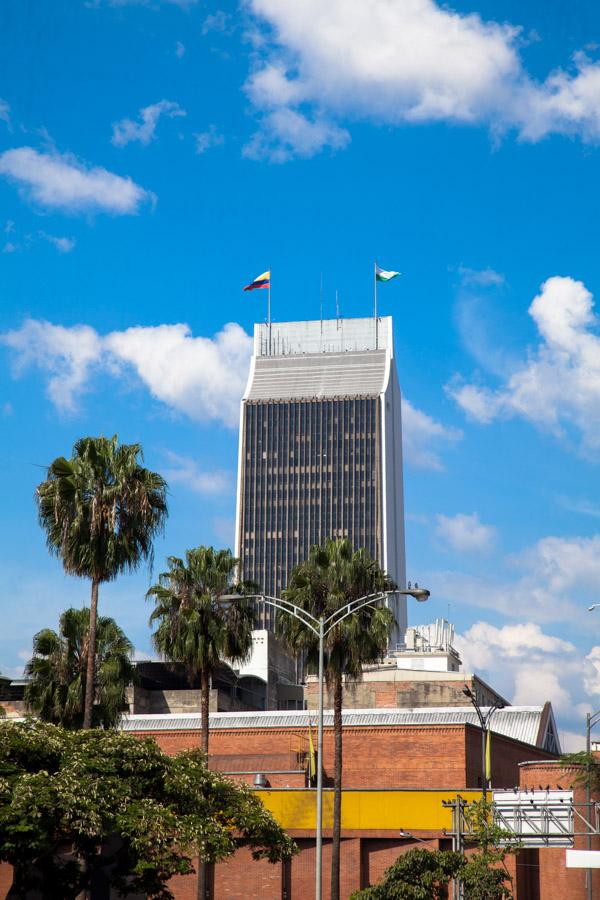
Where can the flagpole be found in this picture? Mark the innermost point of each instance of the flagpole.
(321, 302)
(269, 308)
(375, 304)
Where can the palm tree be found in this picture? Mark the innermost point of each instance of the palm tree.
(194, 626)
(101, 510)
(58, 668)
(332, 576)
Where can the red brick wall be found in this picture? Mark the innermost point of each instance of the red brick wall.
(395, 757)
(373, 757)
(5, 879)
(241, 876)
(506, 755)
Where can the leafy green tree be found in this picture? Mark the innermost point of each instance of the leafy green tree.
(416, 875)
(332, 576)
(484, 875)
(101, 510)
(193, 625)
(79, 807)
(425, 874)
(57, 671)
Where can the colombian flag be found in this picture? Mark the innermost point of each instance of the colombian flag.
(263, 281)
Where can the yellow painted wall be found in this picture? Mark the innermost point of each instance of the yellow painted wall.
(365, 810)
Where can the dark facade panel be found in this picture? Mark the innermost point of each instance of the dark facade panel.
(310, 470)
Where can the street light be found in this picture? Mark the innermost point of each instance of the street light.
(591, 719)
(484, 721)
(321, 627)
(407, 835)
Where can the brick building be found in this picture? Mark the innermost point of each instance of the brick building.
(399, 765)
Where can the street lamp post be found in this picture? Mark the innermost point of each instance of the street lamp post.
(484, 721)
(321, 627)
(591, 719)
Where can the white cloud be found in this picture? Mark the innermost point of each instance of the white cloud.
(480, 277)
(422, 435)
(4, 112)
(465, 533)
(62, 244)
(203, 378)
(558, 386)
(483, 641)
(524, 663)
(530, 666)
(396, 62)
(582, 506)
(186, 471)
(286, 132)
(143, 131)
(218, 21)
(555, 579)
(66, 355)
(592, 671)
(179, 50)
(572, 741)
(183, 4)
(10, 247)
(64, 182)
(206, 140)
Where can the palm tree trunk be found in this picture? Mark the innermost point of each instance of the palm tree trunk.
(91, 659)
(337, 787)
(204, 710)
(204, 705)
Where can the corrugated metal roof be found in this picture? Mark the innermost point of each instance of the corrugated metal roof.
(357, 374)
(521, 723)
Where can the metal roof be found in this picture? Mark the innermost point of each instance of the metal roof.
(521, 723)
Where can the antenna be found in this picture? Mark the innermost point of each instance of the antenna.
(321, 302)
(337, 305)
(375, 304)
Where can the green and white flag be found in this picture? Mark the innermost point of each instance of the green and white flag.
(383, 275)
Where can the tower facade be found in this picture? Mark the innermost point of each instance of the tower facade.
(320, 451)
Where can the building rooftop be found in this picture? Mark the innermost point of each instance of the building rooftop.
(322, 336)
(320, 359)
(532, 725)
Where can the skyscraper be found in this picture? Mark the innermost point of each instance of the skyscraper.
(320, 452)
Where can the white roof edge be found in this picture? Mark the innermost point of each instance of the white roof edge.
(520, 723)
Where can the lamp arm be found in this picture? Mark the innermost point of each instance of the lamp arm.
(352, 607)
(288, 607)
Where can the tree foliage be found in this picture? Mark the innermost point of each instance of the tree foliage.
(193, 626)
(416, 875)
(78, 805)
(423, 874)
(101, 510)
(331, 577)
(586, 766)
(57, 671)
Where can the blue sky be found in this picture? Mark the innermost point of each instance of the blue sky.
(156, 156)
